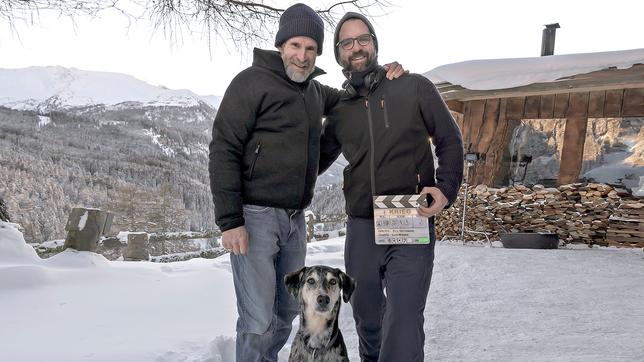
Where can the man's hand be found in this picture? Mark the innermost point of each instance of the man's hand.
(394, 70)
(437, 205)
(235, 240)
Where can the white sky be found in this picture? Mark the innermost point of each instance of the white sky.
(419, 34)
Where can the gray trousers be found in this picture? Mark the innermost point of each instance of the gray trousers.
(277, 246)
(390, 327)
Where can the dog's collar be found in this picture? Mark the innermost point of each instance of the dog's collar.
(313, 351)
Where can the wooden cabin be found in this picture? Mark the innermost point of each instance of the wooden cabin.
(489, 98)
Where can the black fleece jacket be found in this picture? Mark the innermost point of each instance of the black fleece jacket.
(266, 140)
(385, 136)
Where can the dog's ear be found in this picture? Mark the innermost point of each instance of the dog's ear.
(292, 281)
(347, 284)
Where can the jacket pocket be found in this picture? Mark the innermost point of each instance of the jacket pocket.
(255, 157)
(383, 106)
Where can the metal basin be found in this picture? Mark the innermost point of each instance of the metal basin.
(530, 240)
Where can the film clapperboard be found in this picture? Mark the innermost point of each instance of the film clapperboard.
(396, 219)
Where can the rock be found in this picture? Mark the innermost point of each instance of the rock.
(85, 227)
(137, 247)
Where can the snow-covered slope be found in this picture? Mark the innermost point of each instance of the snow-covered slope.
(46, 88)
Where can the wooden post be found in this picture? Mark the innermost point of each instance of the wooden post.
(85, 227)
(510, 115)
(572, 154)
(480, 174)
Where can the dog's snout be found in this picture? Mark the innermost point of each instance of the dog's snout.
(323, 300)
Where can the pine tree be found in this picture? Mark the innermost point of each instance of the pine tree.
(4, 215)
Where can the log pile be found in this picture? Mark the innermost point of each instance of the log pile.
(626, 226)
(576, 212)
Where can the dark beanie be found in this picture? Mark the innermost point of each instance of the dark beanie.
(347, 16)
(300, 20)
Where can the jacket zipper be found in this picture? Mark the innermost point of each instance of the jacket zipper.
(417, 181)
(373, 148)
(306, 162)
(383, 106)
(252, 165)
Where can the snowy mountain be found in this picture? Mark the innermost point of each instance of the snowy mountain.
(70, 137)
(51, 88)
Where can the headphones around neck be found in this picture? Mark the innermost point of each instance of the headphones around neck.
(370, 81)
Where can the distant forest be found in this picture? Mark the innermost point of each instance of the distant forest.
(107, 158)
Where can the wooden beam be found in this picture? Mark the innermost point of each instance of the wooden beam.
(574, 139)
(502, 158)
(596, 104)
(514, 109)
(633, 105)
(547, 108)
(613, 103)
(486, 136)
(495, 142)
(455, 106)
(465, 129)
(561, 105)
(490, 120)
(532, 106)
(472, 123)
(578, 105)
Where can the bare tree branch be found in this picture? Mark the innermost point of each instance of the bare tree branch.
(244, 23)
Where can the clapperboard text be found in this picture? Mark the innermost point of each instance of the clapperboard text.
(396, 220)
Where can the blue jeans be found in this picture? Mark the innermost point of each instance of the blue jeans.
(277, 246)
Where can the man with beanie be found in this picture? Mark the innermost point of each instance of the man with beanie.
(383, 127)
(263, 165)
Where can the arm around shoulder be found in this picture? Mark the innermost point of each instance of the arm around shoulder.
(330, 147)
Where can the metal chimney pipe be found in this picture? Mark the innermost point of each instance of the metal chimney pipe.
(548, 39)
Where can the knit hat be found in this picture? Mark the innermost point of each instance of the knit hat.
(300, 20)
(347, 16)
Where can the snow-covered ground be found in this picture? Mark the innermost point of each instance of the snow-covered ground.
(485, 304)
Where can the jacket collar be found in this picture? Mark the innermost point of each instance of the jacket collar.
(272, 60)
(376, 76)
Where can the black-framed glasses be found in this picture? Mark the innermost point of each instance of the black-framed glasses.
(347, 44)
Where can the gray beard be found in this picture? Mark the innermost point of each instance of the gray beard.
(296, 76)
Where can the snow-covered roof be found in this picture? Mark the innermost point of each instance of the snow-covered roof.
(515, 72)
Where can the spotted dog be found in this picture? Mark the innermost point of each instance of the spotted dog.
(318, 289)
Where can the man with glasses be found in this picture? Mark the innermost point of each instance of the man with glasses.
(263, 165)
(383, 128)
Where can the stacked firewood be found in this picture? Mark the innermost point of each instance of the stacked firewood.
(626, 225)
(576, 212)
